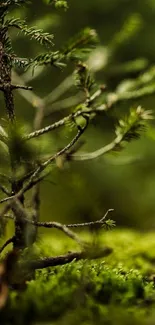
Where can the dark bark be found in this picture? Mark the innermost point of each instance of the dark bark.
(7, 89)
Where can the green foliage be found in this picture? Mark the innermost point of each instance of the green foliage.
(75, 49)
(130, 127)
(84, 292)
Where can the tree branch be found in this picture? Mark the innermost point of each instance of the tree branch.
(97, 153)
(21, 87)
(64, 259)
(4, 189)
(22, 216)
(52, 224)
(64, 120)
(30, 183)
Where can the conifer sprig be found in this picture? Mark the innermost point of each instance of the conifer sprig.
(128, 129)
(33, 33)
(73, 50)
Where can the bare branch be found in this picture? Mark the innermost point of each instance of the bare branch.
(52, 224)
(22, 215)
(100, 152)
(19, 211)
(64, 120)
(21, 87)
(31, 181)
(64, 259)
(4, 189)
(29, 95)
(98, 223)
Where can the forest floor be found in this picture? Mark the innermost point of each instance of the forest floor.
(118, 289)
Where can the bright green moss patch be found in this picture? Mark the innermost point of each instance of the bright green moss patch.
(116, 290)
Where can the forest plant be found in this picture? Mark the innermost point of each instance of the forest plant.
(27, 170)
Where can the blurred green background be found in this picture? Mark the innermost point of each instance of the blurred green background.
(125, 180)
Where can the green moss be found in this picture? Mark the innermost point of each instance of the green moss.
(116, 290)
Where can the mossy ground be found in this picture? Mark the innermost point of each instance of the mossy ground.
(119, 289)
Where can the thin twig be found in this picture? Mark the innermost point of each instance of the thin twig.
(99, 222)
(21, 87)
(29, 184)
(86, 156)
(4, 189)
(32, 181)
(64, 120)
(100, 152)
(29, 95)
(20, 211)
(21, 214)
(53, 224)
